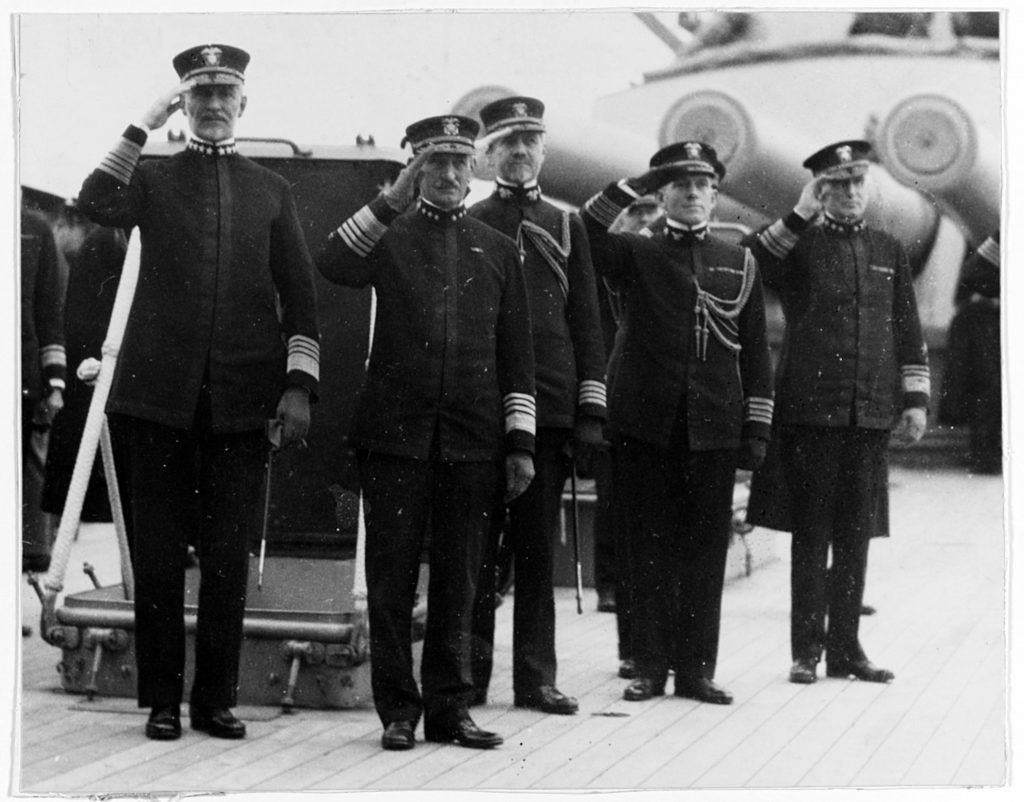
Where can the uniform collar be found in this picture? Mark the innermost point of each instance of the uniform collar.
(518, 194)
(838, 226)
(438, 215)
(226, 147)
(680, 232)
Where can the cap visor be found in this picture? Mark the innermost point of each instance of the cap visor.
(218, 77)
(848, 170)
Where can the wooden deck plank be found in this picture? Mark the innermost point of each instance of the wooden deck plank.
(939, 589)
(986, 763)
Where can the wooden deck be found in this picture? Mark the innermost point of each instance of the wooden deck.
(938, 584)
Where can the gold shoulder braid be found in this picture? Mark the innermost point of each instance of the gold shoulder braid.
(719, 314)
(555, 253)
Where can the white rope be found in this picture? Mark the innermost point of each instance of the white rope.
(72, 514)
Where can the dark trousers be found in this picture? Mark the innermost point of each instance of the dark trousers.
(834, 475)
(532, 527)
(36, 532)
(402, 496)
(612, 521)
(606, 568)
(682, 503)
(170, 470)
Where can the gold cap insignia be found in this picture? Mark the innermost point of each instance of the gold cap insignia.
(211, 56)
(844, 153)
(450, 126)
(519, 109)
(692, 150)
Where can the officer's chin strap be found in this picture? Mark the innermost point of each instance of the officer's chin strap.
(92, 434)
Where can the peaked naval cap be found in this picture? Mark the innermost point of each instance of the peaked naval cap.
(450, 133)
(212, 64)
(511, 114)
(687, 158)
(844, 159)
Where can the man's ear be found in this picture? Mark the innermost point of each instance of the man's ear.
(714, 198)
(241, 105)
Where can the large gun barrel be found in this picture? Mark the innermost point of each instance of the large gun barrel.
(764, 173)
(931, 143)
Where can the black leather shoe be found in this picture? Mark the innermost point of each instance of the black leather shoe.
(867, 609)
(859, 669)
(462, 730)
(548, 699)
(627, 669)
(703, 690)
(641, 689)
(164, 723)
(398, 736)
(216, 721)
(804, 672)
(606, 600)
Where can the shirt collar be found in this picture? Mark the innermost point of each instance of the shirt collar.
(840, 227)
(680, 232)
(438, 215)
(226, 147)
(519, 194)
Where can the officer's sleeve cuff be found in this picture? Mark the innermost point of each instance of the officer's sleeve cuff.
(304, 364)
(606, 206)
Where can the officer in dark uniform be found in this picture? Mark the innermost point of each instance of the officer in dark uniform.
(691, 402)
(222, 335)
(445, 422)
(43, 374)
(853, 363)
(972, 388)
(571, 397)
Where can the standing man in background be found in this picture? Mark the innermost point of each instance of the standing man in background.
(445, 421)
(571, 399)
(853, 373)
(43, 373)
(222, 335)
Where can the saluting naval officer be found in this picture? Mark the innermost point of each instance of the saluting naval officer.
(222, 336)
(691, 401)
(445, 421)
(854, 367)
(569, 353)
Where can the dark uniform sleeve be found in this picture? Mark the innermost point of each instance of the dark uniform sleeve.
(980, 272)
(112, 194)
(515, 359)
(611, 253)
(911, 351)
(349, 256)
(755, 362)
(48, 311)
(771, 248)
(584, 319)
(292, 269)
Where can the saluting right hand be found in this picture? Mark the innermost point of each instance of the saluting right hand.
(165, 105)
(400, 194)
(809, 205)
(651, 181)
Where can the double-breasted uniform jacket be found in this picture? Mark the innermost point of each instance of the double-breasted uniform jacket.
(451, 366)
(853, 353)
(43, 360)
(693, 334)
(567, 337)
(225, 293)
